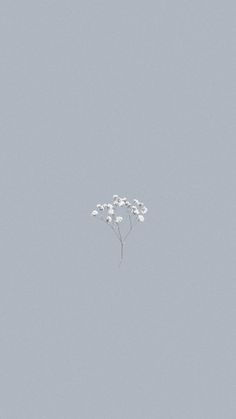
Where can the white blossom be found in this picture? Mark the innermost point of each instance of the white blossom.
(119, 219)
(121, 203)
(113, 218)
(144, 210)
(127, 204)
(134, 210)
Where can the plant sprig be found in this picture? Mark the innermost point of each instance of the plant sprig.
(108, 213)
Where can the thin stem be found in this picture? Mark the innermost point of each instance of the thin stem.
(114, 231)
(121, 246)
(130, 229)
(102, 219)
(119, 233)
(130, 221)
(118, 236)
(121, 253)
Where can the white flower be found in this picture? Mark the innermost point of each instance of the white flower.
(134, 210)
(119, 219)
(144, 210)
(121, 203)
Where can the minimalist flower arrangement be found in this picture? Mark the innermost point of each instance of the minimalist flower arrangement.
(118, 213)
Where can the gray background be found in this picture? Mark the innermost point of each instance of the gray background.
(135, 98)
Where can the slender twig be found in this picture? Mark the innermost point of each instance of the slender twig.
(119, 232)
(121, 257)
(132, 225)
(130, 221)
(121, 245)
(114, 231)
(130, 229)
(118, 236)
(102, 219)
(113, 222)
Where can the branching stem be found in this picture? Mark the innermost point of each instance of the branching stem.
(130, 228)
(121, 245)
(119, 235)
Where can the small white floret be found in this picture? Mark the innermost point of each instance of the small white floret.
(121, 203)
(134, 210)
(108, 219)
(119, 219)
(94, 213)
(141, 218)
(144, 210)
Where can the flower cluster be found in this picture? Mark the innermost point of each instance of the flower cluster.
(108, 213)
(109, 210)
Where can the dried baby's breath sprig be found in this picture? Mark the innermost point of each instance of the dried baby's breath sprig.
(133, 211)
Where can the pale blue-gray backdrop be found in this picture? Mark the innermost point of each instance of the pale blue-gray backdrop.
(135, 98)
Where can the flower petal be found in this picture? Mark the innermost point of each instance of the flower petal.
(118, 219)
